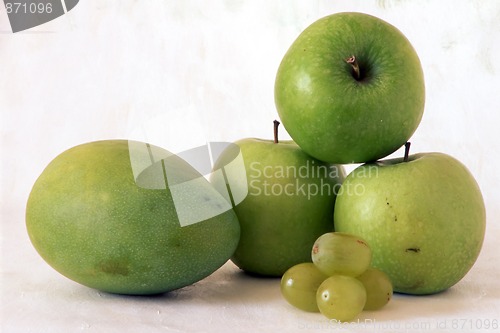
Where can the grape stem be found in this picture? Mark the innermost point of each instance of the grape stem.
(276, 124)
(407, 151)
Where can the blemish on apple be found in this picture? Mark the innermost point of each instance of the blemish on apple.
(361, 242)
(413, 249)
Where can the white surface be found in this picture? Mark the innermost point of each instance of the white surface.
(120, 69)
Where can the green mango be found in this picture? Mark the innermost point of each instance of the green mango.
(130, 218)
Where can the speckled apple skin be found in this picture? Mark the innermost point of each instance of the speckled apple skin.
(424, 219)
(336, 117)
(279, 230)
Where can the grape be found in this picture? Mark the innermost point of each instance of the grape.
(341, 253)
(299, 285)
(378, 288)
(341, 297)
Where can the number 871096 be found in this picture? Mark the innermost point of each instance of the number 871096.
(25, 8)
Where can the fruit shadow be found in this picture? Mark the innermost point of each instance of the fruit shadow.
(233, 287)
(420, 310)
(225, 286)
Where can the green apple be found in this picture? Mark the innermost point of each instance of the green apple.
(104, 215)
(350, 89)
(289, 203)
(424, 219)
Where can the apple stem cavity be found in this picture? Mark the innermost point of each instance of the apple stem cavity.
(276, 124)
(407, 151)
(355, 67)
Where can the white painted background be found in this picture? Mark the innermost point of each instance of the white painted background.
(190, 71)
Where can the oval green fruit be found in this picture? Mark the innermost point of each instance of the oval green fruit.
(340, 253)
(299, 285)
(103, 214)
(378, 288)
(341, 297)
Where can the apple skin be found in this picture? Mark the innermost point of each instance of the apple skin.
(278, 230)
(424, 219)
(90, 220)
(332, 115)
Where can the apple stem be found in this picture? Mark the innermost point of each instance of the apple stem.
(407, 151)
(355, 66)
(276, 124)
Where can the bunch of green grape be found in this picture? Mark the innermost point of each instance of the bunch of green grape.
(339, 282)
